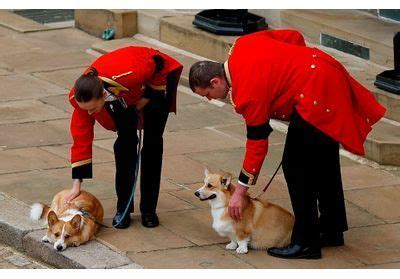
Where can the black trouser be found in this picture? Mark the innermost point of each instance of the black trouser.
(125, 152)
(311, 166)
(155, 118)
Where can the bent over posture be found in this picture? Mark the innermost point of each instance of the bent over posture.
(117, 90)
(273, 75)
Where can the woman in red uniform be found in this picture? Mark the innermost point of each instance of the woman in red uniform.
(272, 74)
(116, 90)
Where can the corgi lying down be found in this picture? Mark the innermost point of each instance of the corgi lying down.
(263, 224)
(69, 224)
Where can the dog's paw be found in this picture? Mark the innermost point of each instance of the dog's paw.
(45, 239)
(231, 246)
(242, 250)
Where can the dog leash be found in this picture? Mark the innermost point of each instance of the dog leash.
(85, 213)
(134, 180)
(270, 181)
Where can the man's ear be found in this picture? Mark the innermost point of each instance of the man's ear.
(226, 180)
(76, 222)
(215, 81)
(206, 172)
(52, 218)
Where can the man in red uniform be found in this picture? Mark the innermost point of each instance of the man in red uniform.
(115, 90)
(272, 74)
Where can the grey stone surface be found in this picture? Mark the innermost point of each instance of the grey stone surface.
(210, 116)
(149, 22)
(130, 266)
(179, 31)
(93, 254)
(354, 26)
(26, 159)
(35, 61)
(18, 260)
(14, 221)
(14, 87)
(28, 111)
(94, 22)
(58, 102)
(21, 43)
(64, 78)
(70, 38)
(13, 259)
(383, 144)
(31, 134)
(18, 23)
(42, 185)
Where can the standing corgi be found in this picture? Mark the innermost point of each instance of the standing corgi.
(69, 224)
(263, 224)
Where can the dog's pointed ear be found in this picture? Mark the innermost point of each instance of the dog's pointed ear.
(206, 172)
(76, 222)
(52, 218)
(226, 180)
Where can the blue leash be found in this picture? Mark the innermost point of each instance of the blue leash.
(134, 180)
(85, 213)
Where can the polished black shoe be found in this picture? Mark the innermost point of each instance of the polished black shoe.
(125, 223)
(294, 251)
(331, 239)
(150, 220)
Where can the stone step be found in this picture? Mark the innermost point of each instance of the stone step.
(148, 21)
(382, 144)
(357, 27)
(179, 32)
(95, 21)
(21, 24)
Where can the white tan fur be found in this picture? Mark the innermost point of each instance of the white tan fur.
(67, 223)
(263, 224)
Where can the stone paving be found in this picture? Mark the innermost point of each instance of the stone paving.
(36, 72)
(12, 259)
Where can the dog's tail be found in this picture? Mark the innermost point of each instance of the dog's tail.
(39, 211)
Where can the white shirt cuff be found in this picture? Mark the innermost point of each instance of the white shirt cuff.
(244, 184)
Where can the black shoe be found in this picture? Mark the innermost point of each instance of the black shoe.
(332, 239)
(124, 222)
(294, 251)
(150, 220)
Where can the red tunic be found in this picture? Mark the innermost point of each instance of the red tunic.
(273, 72)
(128, 70)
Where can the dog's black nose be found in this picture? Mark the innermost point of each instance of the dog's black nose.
(59, 247)
(197, 193)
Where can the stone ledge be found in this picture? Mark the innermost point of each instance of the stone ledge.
(179, 32)
(350, 25)
(21, 24)
(94, 22)
(14, 221)
(18, 231)
(92, 254)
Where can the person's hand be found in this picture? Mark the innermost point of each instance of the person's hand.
(236, 204)
(75, 191)
(142, 103)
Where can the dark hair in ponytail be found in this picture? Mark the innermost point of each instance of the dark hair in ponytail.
(88, 86)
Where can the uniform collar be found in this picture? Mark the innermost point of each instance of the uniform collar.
(227, 73)
(229, 81)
